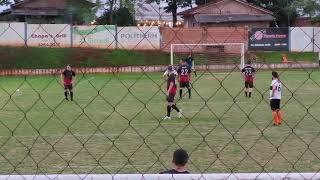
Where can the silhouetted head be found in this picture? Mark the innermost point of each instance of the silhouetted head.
(180, 158)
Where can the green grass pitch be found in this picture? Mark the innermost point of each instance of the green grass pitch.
(114, 125)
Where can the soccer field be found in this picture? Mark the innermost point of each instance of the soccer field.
(114, 125)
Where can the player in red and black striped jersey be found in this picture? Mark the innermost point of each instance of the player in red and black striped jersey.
(184, 76)
(171, 93)
(248, 74)
(67, 78)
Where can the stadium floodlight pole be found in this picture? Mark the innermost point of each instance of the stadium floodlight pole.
(242, 47)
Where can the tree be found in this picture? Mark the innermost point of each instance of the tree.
(173, 6)
(309, 8)
(121, 17)
(82, 11)
(286, 11)
(120, 12)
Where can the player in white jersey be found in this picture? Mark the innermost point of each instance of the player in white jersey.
(275, 97)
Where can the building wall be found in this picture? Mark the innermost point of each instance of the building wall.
(191, 22)
(241, 24)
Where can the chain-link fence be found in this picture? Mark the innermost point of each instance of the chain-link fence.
(114, 126)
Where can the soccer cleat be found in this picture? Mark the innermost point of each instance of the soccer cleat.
(180, 114)
(67, 99)
(166, 118)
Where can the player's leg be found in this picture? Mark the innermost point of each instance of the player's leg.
(172, 105)
(250, 88)
(71, 92)
(170, 100)
(274, 112)
(66, 92)
(279, 113)
(279, 116)
(189, 89)
(181, 86)
(246, 85)
(275, 118)
(195, 72)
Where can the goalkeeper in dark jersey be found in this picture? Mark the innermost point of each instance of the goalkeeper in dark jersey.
(67, 78)
(190, 62)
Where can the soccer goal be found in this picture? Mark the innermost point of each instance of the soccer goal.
(211, 53)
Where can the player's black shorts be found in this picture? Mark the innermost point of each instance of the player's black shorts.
(184, 84)
(70, 87)
(170, 98)
(248, 84)
(275, 104)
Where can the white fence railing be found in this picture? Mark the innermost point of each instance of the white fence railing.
(236, 176)
(65, 35)
(302, 39)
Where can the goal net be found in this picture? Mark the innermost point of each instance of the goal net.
(208, 54)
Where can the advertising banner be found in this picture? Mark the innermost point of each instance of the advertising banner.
(101, 36)
(269, 39)
(49, 35)
(147, 38)
(12, 34)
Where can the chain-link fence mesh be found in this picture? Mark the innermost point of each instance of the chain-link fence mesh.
(115, 126)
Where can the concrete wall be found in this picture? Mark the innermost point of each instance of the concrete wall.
(304, 39)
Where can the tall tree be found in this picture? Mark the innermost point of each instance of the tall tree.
(286, 11)
(309, 8)
(282, 10)
(119, 12)
(172, 7)
(83, 12)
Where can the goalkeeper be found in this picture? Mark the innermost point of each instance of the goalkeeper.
(190, 62)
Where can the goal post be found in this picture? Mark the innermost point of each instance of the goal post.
(210, 50)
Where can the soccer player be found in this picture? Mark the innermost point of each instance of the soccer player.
(171, 92)
(190, 62)
(248, 74)
(179, 160)
(184, 74)
(67, 78)
(166, 73)
(275, 97)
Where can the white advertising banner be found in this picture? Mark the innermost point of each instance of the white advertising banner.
(140, 38)
(12, 34)
(101, 36)
(301, 39)
(48, 35)
(317, 39)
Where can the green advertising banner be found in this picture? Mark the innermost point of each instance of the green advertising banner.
(100, 36)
